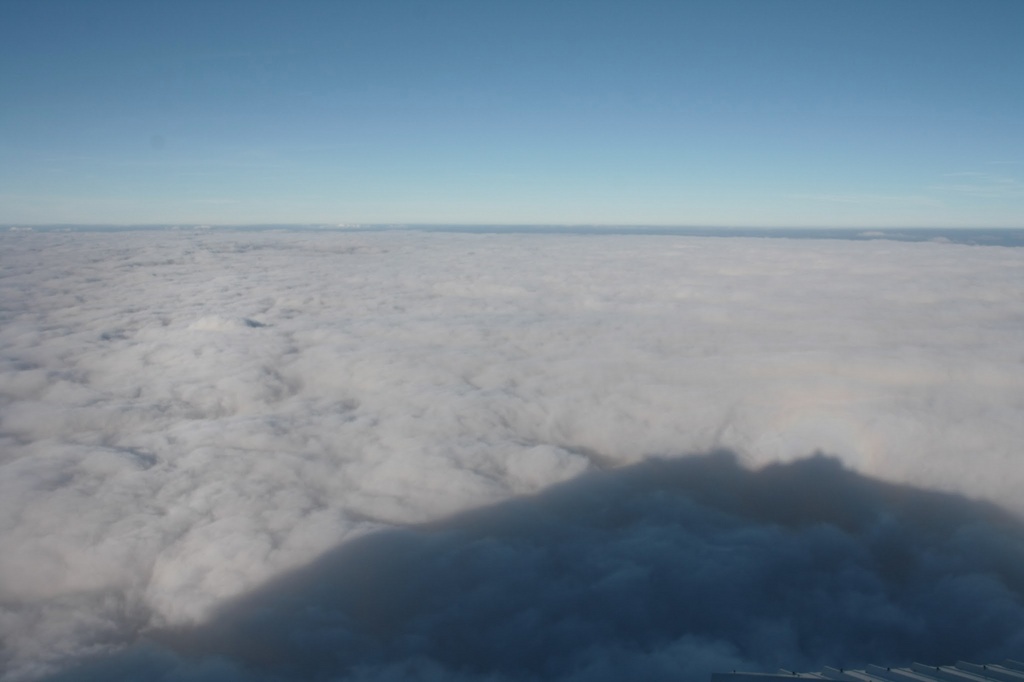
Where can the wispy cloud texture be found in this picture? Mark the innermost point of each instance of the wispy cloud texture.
(186, 415)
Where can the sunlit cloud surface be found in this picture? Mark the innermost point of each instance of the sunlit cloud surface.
(187, 415)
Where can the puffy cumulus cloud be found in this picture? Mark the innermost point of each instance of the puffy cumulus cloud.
(184, 416)
(666, 570)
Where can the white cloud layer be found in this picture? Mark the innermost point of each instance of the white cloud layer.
(184, 416)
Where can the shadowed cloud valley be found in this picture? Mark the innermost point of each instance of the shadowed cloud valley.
(666, 570)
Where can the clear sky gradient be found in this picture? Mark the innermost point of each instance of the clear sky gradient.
(757, 113)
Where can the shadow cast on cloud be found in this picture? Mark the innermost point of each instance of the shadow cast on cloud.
(666, 570)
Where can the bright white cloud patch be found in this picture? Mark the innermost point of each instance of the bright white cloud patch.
(185, 415)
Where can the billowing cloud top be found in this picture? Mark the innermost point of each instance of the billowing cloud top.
(184, 416)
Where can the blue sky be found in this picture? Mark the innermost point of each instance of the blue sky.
(811, 113)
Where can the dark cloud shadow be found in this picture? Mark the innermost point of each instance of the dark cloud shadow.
(666, 570)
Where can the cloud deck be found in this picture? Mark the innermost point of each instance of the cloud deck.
(184, 416)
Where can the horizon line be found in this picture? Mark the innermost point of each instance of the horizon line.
(467, 224)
